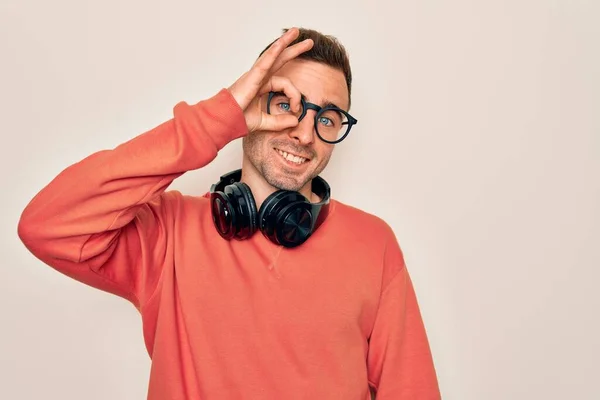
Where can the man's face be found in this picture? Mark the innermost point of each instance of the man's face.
(263, 150)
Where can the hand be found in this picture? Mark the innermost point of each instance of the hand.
(260, 80)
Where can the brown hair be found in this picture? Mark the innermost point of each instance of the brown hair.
(327, 50)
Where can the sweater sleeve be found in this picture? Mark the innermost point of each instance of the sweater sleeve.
(105, 220)
(400, 363)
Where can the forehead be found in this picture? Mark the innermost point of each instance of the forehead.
(320, 83)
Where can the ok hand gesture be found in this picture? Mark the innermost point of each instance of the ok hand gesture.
(260, 80)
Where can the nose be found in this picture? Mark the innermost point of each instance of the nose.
(304, 132)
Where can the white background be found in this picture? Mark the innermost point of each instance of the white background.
(478, 141)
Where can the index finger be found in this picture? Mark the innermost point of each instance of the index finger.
(264, 63)
(292, 52)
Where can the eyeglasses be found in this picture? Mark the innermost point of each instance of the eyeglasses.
(332, 124)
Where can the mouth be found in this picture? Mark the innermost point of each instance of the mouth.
(291, 157)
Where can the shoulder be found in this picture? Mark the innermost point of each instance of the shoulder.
(356, 220)
(367, 232)
(178, 205)
(175, 197)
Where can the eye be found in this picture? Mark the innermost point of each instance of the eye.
(325, 121)
(284, 106)
(331, 118)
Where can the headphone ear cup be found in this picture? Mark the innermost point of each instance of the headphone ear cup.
(251, 206)
(224, 214)
(286, 219)
(267, 214)
(244, 210)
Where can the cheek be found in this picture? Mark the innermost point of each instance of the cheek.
(254, 142)
(258, 146)
(324, 152)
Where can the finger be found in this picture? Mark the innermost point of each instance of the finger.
(292, 52)
(263, 65)
(277, 122)
(281, 84)
(278, 46)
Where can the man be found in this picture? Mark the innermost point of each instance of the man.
(265, 287)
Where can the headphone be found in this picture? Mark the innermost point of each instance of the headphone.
(286, 218)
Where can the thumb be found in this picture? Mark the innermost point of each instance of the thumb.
(277, 122)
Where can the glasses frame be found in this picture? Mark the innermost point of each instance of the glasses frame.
(319, 111)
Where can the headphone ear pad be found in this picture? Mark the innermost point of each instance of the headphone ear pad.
(243, 205)
(251, 206)
(223, 214)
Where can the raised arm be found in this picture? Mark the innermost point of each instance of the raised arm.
(102, 220)
(105, 220)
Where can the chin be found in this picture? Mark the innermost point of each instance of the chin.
(279, 178)
(283, 181)
(276, 173)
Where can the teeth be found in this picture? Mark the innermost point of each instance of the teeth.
(291, 157)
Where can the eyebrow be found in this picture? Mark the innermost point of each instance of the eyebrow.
(330, 104)
(327, 103)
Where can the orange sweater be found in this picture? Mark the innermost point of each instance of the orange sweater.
(241, 319)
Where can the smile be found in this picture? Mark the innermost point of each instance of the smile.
(292, 157)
